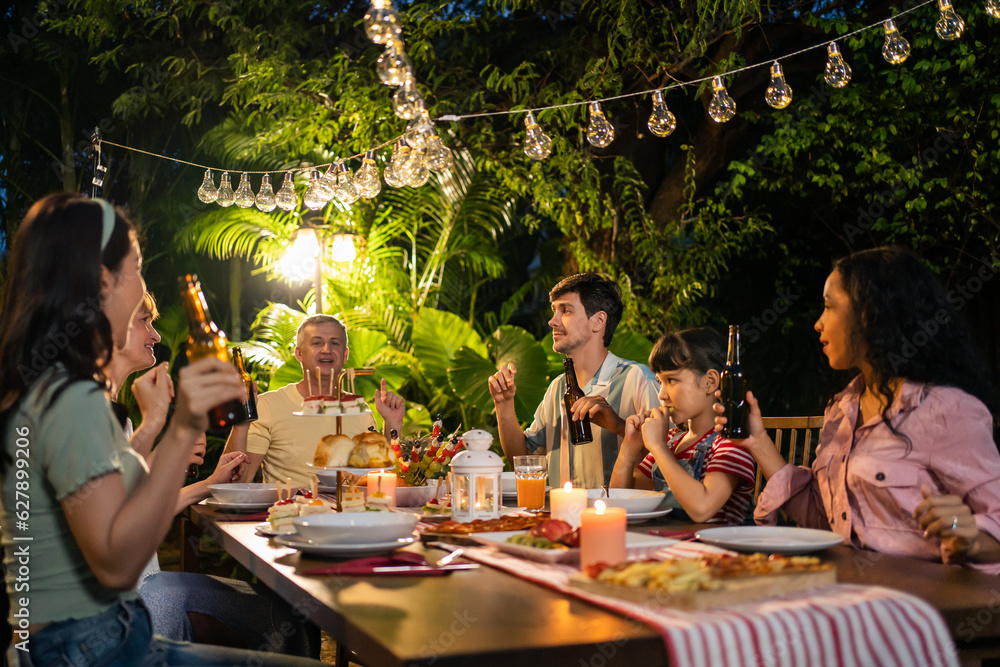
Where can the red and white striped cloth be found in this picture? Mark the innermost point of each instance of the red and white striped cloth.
(842, 624)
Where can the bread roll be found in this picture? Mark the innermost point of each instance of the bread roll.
(333, 451)
(371, 450)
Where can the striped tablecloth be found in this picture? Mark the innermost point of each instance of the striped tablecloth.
(841, 624)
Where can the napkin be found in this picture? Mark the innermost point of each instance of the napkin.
(366, 566)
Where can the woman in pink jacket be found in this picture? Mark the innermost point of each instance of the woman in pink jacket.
(907, 463)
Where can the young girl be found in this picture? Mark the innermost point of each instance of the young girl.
(707, 478)
(906, 463)
(89, 509)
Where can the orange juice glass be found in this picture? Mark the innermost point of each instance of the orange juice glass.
(530, 473)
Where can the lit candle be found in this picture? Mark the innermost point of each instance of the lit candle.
(602, 535)
(567, 503)
(380, 480)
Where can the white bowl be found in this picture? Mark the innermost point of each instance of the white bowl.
(508, 483)
(355, 528)
(244, 493)
(418, 496)
(633, 500)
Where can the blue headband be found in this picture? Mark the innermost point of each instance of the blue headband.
(107, 222)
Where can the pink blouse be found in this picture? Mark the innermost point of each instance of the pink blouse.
(865, 483)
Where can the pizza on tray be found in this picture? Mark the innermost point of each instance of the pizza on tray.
(506, 522)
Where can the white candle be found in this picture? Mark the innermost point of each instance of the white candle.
(567, 503)
(602, 535)
(380, 480)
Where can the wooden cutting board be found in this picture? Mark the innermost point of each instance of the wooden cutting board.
(732, 591)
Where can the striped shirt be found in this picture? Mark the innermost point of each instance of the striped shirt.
(723, 456)
(628, 387)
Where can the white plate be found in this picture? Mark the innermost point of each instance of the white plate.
(770, 539)
(637, 546)
(264, 529)
(325, 549)
(352, 413)
(639, 517)
(327, 470)
(244, 507)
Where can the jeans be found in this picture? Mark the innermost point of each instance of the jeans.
(122, 636)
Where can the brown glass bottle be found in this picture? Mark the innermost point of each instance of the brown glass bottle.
(250, 406)
(205, 339)
(579, 430)
(732, 386)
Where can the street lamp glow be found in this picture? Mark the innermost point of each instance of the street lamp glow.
(299, 263)
(342, 249)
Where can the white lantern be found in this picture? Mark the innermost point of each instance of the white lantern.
(475, 479)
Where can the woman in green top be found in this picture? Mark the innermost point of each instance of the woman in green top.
(82, 513)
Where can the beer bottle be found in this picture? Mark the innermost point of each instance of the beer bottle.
(733, 388)
(205, 339)
(579, 430)
(250, 407)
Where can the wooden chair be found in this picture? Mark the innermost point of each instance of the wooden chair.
(785, 432)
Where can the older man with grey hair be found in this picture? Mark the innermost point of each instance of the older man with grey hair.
(282, 443)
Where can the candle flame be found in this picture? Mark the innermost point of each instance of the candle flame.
(600, 506)
(568, 486)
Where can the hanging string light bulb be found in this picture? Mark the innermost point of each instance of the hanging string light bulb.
(896, 49)
(600, 132)
(345, 190)
(416, 169)
(993, 8)
(537, 144)
(366, 180)
(328, 183)
(661, 122)
(244, 194)
(393, 174)
(265, 200)
(419, 131)
(439, 156)
(382, 23)
(286, 197)
(779, 93)
(208, 192)
(722, 108)
(949, 25)
(313, 198)
(407, 102)
(838, 72)
(225, 197)
(393, 66)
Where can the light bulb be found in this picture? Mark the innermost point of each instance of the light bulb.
(265, 200)
(993, 8)
(225, 196)
(313, 198)
(382, 23)
(439, 156)
(419, 173)
(413, 164)
(896, 49)
(345, 191)
(393, 66)
(722, 108)
(779, 93)
(286, 197)
(394, 175)
(838, 72)
(407, 102)
(244, 194)
(366, 180)
(600, 132)
(328, 183)
(537, 144)
(950, 25)
(208, 192)
(661, 122)
(419, 131)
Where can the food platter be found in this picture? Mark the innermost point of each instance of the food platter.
(637, 545)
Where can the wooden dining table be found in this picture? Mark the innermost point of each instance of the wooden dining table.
(487, 617)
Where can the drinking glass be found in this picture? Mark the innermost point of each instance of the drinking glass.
(530, 473)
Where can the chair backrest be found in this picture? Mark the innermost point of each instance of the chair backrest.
(793, 436)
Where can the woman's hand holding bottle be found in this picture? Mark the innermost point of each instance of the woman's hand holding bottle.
(759, 444)
(203, 385)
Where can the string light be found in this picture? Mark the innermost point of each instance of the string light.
(244, 194)
(537, 144)
(313, 198)
(394, 175)
(382, 23)
(838, 72)
(661, 122)
(439, 157)
(366, 180)
(225, 196)
(265, 200)
(722, 108)
(896, 49)
(600, 132)
(950, 25)
(993, 8)
(286, 198)
(208, 192)
(779, 93)
(345, 191)
(407, 102)
(393, 66)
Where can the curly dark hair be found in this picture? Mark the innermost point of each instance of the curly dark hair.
(596, 294)
(908, 328)
(700, 349)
